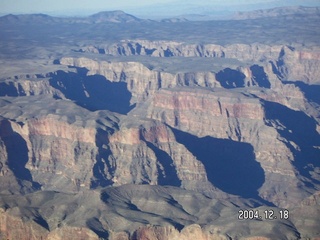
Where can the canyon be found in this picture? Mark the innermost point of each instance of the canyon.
(146, 134)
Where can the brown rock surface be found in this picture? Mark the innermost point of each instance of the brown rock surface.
(13, 227)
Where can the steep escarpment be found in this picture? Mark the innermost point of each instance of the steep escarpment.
(165, 162)
(171, 48)
(143, 82)
(275, 68)
(235, 116)
(27, 87)
(289, 62)
(140, 80)
(59, 145)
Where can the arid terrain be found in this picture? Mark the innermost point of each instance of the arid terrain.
(116, 127)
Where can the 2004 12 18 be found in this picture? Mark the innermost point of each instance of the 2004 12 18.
(268, 214)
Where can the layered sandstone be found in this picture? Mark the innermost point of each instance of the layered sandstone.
(143, 82)
(27, 87)
(289, 62)
(228, 115)
(57, 151)
(166, 162)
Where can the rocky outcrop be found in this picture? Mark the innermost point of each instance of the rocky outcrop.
(231, 115)
(72, 233)
(24, 230)
(73, 153)
(27, 87)
(54, 152)
(288, 62)
(285, 64)
(32, 230)
(61, 149)
(58, 150)
(165, 162)
(307, 210)
(140, 80)
(170, 48)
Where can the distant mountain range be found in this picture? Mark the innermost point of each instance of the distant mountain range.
(122, 17)
(277, 12)
(113, 16)
(106, 16)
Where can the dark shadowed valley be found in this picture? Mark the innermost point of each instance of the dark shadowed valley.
(122, 128)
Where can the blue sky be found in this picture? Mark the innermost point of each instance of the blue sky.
(140, 7)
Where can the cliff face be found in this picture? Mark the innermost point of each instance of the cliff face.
(140, 80)
(27, 87)
(233, 116)
(47, 146)
(171, 48)
(61, 149)
(164, 161)
(288, 62)
(56, 151)
(287, 65)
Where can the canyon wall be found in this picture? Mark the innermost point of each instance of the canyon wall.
(294, 63)
(174, 100)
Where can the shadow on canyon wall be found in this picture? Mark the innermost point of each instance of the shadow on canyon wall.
(259, 76)
(93, 92)
(17, 151)
(96, 226)
(9, 89)
(311, 92)
(230, 78)
(168, 175)
(300, 129)
(103, 169)
(230, 165)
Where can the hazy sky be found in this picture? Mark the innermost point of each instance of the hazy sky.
(151, 7)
